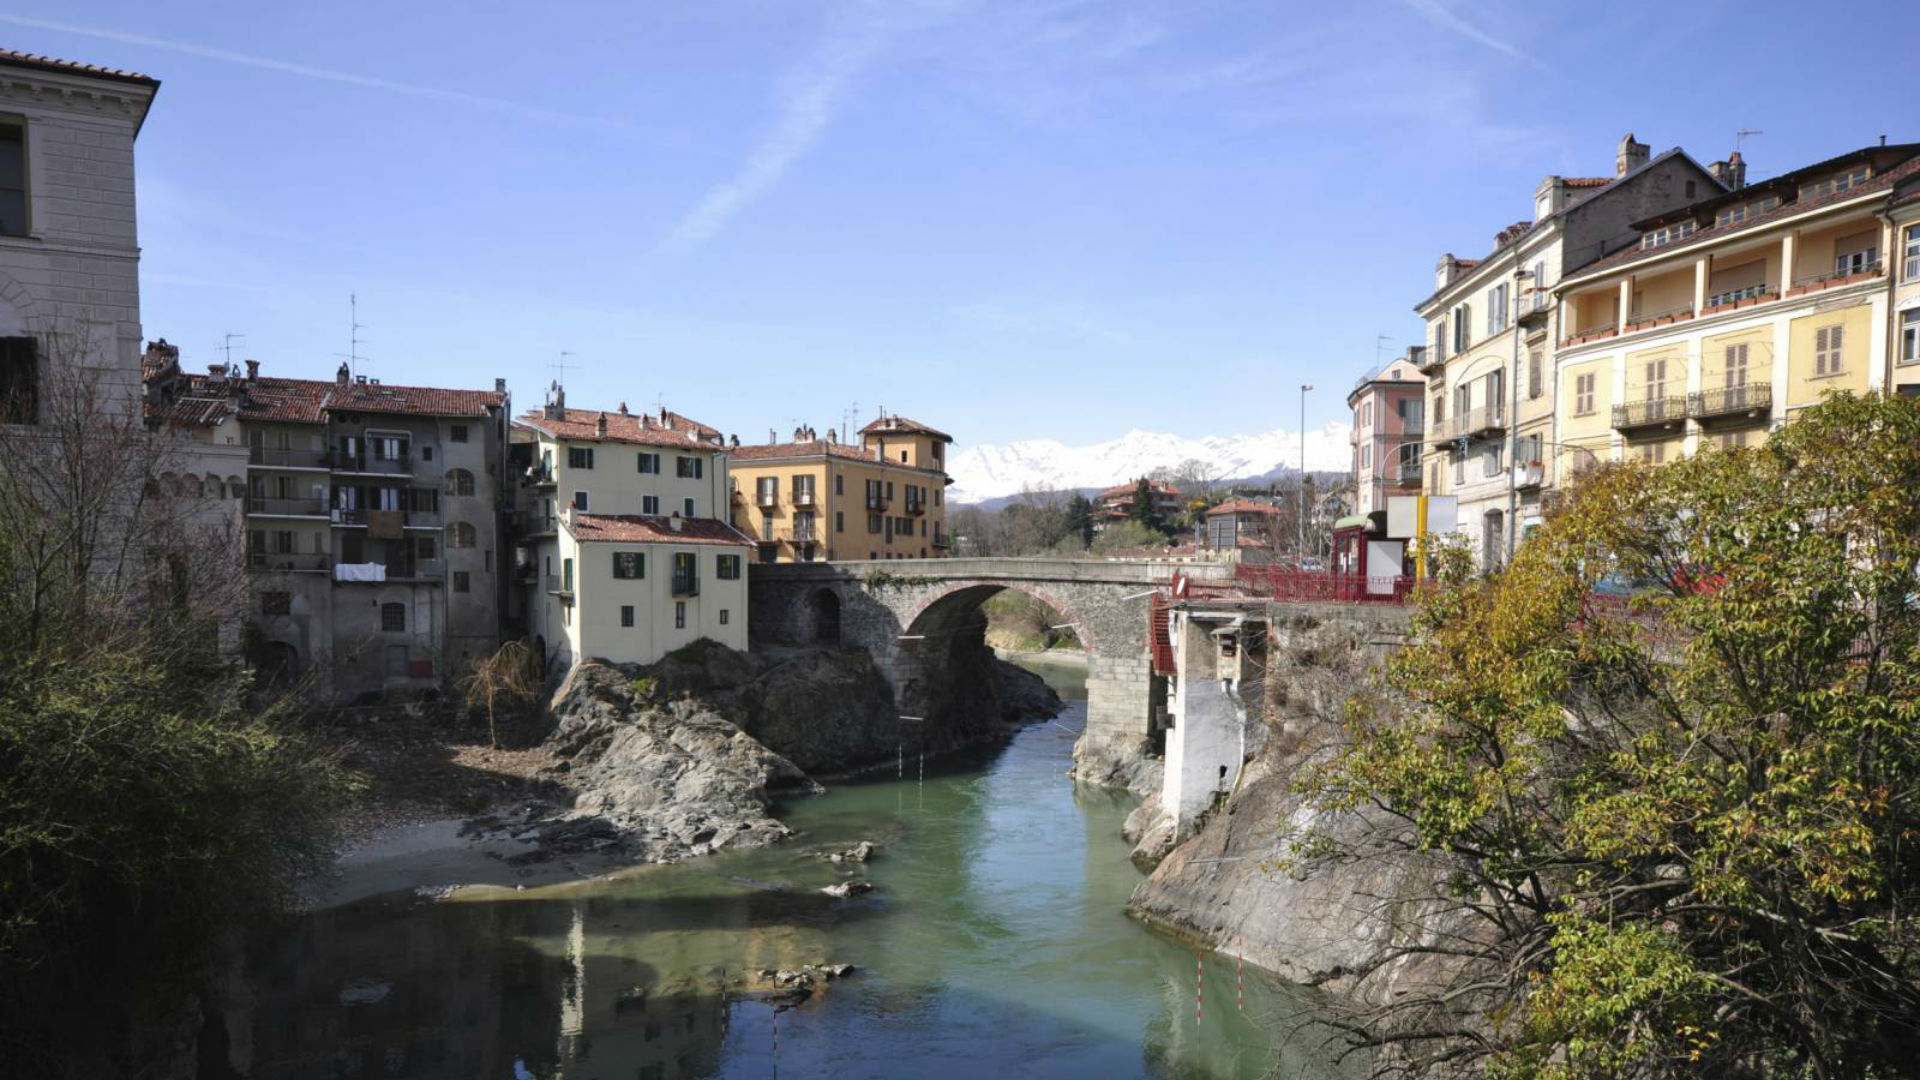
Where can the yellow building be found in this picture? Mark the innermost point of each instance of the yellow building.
(1729, 315)
(814, 498)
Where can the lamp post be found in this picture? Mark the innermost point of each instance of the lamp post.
(1302, 550)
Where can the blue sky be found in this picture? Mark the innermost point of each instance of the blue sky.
(1063, 218)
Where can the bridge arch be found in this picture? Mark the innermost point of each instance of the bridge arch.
(955, 608)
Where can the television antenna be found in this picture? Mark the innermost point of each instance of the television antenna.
(561, 366)
(1380, 342)
(354, 340)
(1741, 136)
(226, 345)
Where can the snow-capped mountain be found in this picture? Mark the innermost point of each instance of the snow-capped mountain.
(991, 471)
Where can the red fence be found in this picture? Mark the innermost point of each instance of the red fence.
(1160, 633)
(1321, 587)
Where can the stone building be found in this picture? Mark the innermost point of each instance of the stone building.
(814, 498)
(373, 518)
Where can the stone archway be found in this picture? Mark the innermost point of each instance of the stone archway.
(944, 670)
(823, 617)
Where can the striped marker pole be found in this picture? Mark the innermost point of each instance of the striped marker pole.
(1240, 981)
(776, 1042)
(1199, 986)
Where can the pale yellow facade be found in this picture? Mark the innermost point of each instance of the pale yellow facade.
(818, 499)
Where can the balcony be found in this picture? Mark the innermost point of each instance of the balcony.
(1751, 399)
(417, 570)
(941, 541)
(686, 584)
(540, 476)
(288, 562)
(379, 466)
(1846, 275)
(878, 501)
(802, 496)
(261, 505)
(1653, 412)
(1739, 298)
(1432, 361)
(1407, 475)
(916, 506)
(1483, 420)
(553, 584)
(801, 534)
(1649, 320)
(281, 457)
(1532, 304)
(1529, 476)
(1596, 332)
(767, 498)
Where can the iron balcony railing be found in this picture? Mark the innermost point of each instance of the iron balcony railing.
(284, 457)
(1640, 317)
(366, 463)
(1838, 273)
(685, 584)
(1530, 475)
(1650, 412)
(877, 500)
(802, 534)
(803, 495)
(288, 561)
(916, 505)
(1406, 475)
(767, 498)
(423, 518)
(416, 570)
(260, 504)
(1480, 420)
(552, 583)
(1532, 302)
(1729, 400)
(1734, 296)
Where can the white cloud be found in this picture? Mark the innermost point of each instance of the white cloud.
(287, 67)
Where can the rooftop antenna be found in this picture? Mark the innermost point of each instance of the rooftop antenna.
(227, 345)
(1379, 343)
(1741, 136)
(562, 366)
(354, 340)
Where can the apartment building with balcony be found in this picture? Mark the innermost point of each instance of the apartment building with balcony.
(1116, 503)
(1734, 312)
(1488, 360)
(1389, 430)
(816, 498)
(625, 552)
(1903, 345)
(371, 517)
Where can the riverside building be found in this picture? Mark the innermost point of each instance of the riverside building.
(1389, 424)
(812, 498)
(626, 551)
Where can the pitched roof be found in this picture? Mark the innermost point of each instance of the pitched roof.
(900, 425)
(1708, 234)
(819, 449)
(412, 400)
(652, 529)
(72, 67)
(1586, 181)
(190, 411)
(646, 429)
(307, 401)
(1243, 506)
(1158, 487)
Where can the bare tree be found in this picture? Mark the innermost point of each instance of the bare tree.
(506, 676)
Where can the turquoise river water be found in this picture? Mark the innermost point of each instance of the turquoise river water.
(994, 944)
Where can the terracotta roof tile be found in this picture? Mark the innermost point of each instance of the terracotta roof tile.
(1243, 506)
(645, 529)
(637, 428)
(900, 425)
(412, 400)
(306, 401)
(190, 411)
(51, 63)
(1586, 181)
(1159, 487)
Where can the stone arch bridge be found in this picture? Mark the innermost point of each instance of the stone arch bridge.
(921, 621)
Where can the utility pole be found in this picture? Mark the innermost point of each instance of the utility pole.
(1302, 550)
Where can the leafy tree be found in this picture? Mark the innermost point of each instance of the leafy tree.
(1127, 535)
(1080, 520)
(1143, 510)
(1681, 828)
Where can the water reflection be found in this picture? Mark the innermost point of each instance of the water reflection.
(994, 944)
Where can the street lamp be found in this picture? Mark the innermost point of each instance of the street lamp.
(1302, 550)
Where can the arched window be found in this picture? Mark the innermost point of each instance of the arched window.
(212, 487)
(393, 617)
(235, 488)
(167, 484)
(190, 486)
(459, 482)
(460, 534)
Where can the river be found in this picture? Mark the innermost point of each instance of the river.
(994, 944)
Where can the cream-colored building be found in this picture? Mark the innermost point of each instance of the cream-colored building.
(627, 553)
(1903, 344)
(1488, 359)
(1731, 314)
(813, 498)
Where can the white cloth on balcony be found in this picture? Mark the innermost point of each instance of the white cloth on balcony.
(368, 571)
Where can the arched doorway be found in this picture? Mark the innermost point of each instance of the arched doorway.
(823, 610)
(279, 664)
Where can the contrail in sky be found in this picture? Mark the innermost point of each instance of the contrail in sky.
(287, 67)
(1441, 15)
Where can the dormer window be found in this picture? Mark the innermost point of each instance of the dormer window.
(1838, 182)
(1736, 215)
(1666, 234)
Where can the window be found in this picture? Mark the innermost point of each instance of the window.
(626, 615)
(839, 521)
(629, 565)
(461, 535)
(649, 463)
(686, 509)
(1826, 351)
(688, 468)
(457, 433)
(1845, 181)
(1459, 468)
(723, 616)
(1535, 372)
(459, 482)
(1857, 260)
(873, 523)
(276, 603)
(1462, 331)
(1735, 215)
(1583, 394)
(1497, 309)
(1653, 453)
(1656, 379)
(1490, 459)
(393, 618)
(1910, 336)
(650, 505)
(580, 501)
(579, 457)
(462, 581)
(686, 574)
(1911, 265)
(1736, 366)
(426, 453)
(13, 180)
(566, 575)
(1666, 234)
(679, 614)
(1439, 408)
(726, 567)
(839, 484)
(19, 381)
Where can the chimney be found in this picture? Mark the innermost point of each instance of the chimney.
(674, 521)
(1736, 171)
(343, 376)
(600, 426)
(1630, 156)
(556, 406)
(499, 386)
(736, 440)
(623, 408)
(833, 437)
(253, 370)
(1447, 269)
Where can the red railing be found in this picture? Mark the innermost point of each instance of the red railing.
(1160, 633)
(1322, 587)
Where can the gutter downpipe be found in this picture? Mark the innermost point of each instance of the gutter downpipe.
(1893, 298)
(1512, 405)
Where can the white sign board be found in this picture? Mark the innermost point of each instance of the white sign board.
(1403, 515)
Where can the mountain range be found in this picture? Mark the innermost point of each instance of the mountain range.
(992, 471)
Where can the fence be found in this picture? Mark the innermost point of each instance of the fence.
(1321, 587)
